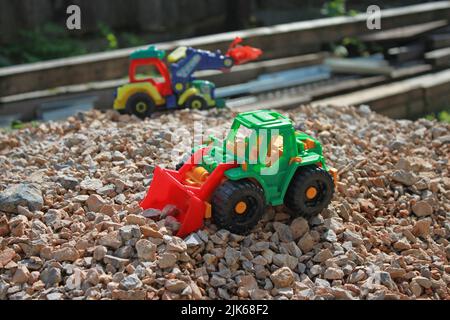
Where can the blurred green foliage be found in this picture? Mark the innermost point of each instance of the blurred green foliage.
(53, 41)
(337, 8)
(108, 34)
(120, 40)
(19, 125)
(44, 43)
(349, 46)
(443, 116)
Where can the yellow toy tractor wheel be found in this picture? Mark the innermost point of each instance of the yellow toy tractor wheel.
(141, 105)
(196, 102)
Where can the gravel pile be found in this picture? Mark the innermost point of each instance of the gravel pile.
(71, 226)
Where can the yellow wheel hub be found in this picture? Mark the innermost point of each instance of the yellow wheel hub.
(141, 107)
(240, 207)
(311, 193)
(196, 104)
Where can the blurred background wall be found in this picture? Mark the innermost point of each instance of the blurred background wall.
(178, 16)
(35, 30)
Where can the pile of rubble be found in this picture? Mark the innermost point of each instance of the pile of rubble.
(71, 226)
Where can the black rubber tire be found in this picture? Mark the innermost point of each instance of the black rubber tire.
(225, 199)
(196, 102)
(296, 199)
(137, 99)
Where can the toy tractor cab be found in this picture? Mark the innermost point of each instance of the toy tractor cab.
(171, 83)
(263, 161)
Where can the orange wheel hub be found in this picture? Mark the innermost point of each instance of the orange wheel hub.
(311, 193)
(240, 207)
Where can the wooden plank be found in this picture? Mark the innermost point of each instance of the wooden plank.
(358, 66)
(247, 72)
(242, 73)
(403, 33)
(439, 41)
(277, 41)
(402, 93)
(439, 58)
(283, 103)
(406, 53)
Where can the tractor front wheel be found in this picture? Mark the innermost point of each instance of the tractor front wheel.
(196, 102)
(310, 191)
(238, 206)
(141, 105)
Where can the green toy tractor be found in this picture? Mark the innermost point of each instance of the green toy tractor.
(263, 161)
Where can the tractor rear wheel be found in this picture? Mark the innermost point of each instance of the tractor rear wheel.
(141, 105)
(309, 192)
(196, 102)
(238, 205)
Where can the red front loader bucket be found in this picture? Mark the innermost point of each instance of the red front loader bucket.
(168, 187)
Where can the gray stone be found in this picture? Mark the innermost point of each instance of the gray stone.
(333, 274)
(306, 243)
(111, 240)
(174, 244)
(69, 183)
(404, 177)
(315, 270)
(51, 276)
(26, 195)
(99, 253)
(299, 227)
(285, 260)
(130, 282)
(108, 190)
(385, 279)
(323, 255)
(193, 240)
(4, 286)
(118, 156)
(283, 231)
(91, 184)
(397, 144)
(175, 285)
(146, 250)
(333, 224)
(76, 139)
(423, 282)
(152, 213)
(129, 232)
(124, 252)
(282, 278)
(353, 237)
(444, 139)
(330, 236)
(116, 262)
(231, 256)
(322, 283)
(217, 281)
(167, 260)
(55, 296)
